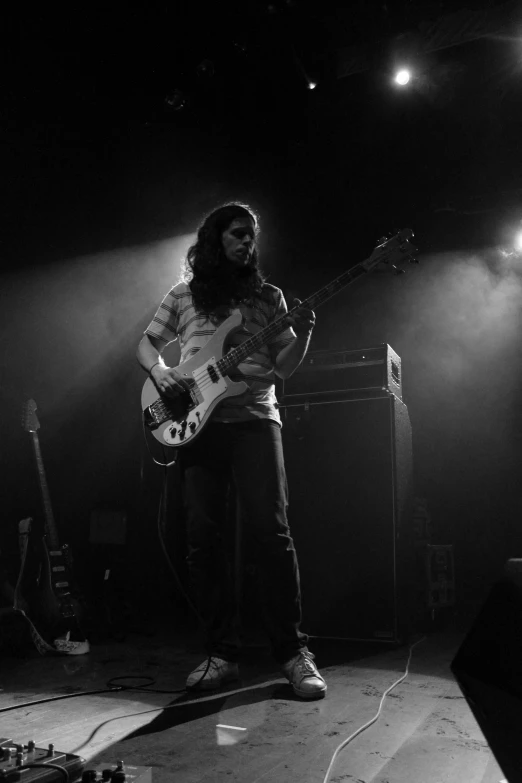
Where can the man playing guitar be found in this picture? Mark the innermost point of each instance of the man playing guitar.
(241, 444)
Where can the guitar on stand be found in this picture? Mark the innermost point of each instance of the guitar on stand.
(44, 597)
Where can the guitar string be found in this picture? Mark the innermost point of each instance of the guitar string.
(249, 346)
(312, 301)
(206, 382)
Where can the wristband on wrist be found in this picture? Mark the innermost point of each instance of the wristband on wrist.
(155, 363)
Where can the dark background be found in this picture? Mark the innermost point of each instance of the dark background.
(123, 124)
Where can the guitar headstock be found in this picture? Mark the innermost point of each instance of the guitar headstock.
(29, 417)
(395, 250)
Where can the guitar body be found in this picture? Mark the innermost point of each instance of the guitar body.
(177, 421)
(45, 594)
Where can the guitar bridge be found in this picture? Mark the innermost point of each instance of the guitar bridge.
(172, 408)
(156, 414)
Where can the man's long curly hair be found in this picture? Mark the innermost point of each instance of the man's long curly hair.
(214, 282)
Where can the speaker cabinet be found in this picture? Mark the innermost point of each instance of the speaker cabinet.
(349, 468)
(488, 668)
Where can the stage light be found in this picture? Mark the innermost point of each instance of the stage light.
(518, 242)
(402, 77)
(312, 85)
(174, 101)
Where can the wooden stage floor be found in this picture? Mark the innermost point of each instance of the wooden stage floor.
(425, 734)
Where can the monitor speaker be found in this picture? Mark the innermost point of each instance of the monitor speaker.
(488, 668)
(349, 468)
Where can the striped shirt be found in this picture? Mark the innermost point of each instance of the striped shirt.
(177, 318)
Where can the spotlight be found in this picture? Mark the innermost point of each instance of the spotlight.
(312, 85)
(518, 242)
(402, 77)
(174, 101)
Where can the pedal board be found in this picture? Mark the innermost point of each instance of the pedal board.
(15, 756)
(16, 760)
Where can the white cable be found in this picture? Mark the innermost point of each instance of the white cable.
(376, 716)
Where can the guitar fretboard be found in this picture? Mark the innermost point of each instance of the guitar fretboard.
(250, 346)
(50, 526)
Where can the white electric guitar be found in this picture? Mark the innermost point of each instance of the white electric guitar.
(177, 420)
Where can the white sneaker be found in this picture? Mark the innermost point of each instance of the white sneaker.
(212, 673)
(302, 674)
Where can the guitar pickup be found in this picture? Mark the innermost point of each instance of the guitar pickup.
(214, 377)
(196, 396)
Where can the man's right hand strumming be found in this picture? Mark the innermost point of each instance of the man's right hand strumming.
(168, 380)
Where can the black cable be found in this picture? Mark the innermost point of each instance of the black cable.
(161, 519)
(139, 688)
(46, 766)
(109, 689)
(162, 514)
(153, 458)
(110, 683)
(57, 698)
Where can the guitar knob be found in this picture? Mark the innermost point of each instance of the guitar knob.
(192, 426)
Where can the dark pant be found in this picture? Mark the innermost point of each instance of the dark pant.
(250, 455)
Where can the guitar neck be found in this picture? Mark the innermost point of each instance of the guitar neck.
(250, 346)
(50, 525)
